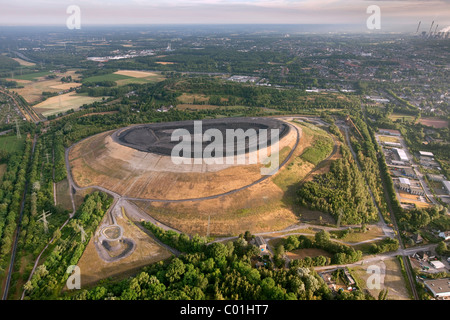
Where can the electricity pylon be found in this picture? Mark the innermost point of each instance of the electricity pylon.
(18, 129)
(43, 218)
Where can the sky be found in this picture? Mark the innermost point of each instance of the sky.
(132, 12)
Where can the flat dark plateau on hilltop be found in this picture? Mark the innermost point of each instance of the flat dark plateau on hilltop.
(156, 137)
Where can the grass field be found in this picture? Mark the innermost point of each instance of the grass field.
(33, 76)
(311, 252)
(190, 98)
(24, 63)
(32, 89)
(63, 195)
(123, 77)
(389, 139)
(356, 236)
(11, 143)
(321, 144)
(406, 117)
(106, 77)
(63, 102)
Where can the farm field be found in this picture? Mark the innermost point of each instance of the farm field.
(63, 102)
(32, 76)
(33, 87)
(434, 122)
(123, 77)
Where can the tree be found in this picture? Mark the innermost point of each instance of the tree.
(175, 270)
(322, 238)
(442, 248)
(383, 294)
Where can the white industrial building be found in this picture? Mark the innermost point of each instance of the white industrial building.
(401, 154)
(390, 132)
(439, 287)
(446, 186)
(426, 154)
(437, 264)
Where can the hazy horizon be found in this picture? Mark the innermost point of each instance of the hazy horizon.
(401, 15)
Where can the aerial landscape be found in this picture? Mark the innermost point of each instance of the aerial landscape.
(255, 160)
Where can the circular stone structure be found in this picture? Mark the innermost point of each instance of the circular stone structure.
(135, 162)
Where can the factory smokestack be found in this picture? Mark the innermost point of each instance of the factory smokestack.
(418, 27)
(429, 32)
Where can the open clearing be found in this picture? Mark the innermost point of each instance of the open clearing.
(123, 77)
(24, 63)
(393, 279)
(356, 236)
(135, 74)
(389, 139)
(310, 252)
(405, 117)
(63, 195)
(147, 251)
(33, 76)
(64, 102)
(434, 122)
(191, 98)
(11, 143)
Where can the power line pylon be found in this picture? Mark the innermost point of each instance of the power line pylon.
(18, 130)
(43, 218)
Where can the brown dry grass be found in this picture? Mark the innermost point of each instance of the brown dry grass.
(262, 207)
(100, 161)
(310, 252)
(135, 74)
(393, 280)
(24, 63)
(63, 102)
(189, 98)
(434, 122)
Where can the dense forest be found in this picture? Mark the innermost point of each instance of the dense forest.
(342, 192)
(217, 271)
